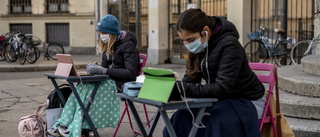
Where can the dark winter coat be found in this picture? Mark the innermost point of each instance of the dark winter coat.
(229, 73)
(125, 60)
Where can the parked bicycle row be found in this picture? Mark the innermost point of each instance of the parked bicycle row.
(27, 48)
(282, 51)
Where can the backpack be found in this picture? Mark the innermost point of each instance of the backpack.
(53, 100)
(55, 105)
(32, 125)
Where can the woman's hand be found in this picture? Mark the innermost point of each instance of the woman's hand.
(96, 69)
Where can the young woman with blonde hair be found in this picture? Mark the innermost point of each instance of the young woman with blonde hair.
(120, 60)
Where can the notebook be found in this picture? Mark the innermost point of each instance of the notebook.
(66, 66)
(159, 85)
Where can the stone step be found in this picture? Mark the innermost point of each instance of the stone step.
(304, 127)
(299, 106)
(293, 80)
(311, 64)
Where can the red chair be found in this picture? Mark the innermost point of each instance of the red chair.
(143, 60)
(271, 79)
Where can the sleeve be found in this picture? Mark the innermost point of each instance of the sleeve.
(186, 79)
(104, 62)
(131, 62)
(228, 70)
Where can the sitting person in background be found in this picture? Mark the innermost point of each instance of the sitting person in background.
(120, 60)
(216, 56)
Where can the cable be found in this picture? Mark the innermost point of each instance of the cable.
(184, 99)
(82, 85)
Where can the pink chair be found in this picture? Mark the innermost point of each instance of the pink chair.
(270, 78)
(143, 60)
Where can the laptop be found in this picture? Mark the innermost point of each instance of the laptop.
(66, 66)
(159, 85)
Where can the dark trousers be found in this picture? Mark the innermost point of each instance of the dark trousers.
(228, 118)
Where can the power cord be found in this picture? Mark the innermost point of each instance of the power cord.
(183, 97)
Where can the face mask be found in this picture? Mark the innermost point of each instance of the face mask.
(104, 38)
(196, 46)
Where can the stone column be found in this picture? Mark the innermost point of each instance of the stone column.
(317, 25)
(239, 13)
(158, 31)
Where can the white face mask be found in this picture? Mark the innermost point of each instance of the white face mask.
(104, 38)
(196, 46)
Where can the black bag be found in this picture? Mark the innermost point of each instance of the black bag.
(55, 106)
(53, 99)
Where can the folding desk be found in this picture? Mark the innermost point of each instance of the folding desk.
(201, 103)
(97, 79)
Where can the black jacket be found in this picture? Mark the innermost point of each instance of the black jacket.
(229, 73)
(125, 60)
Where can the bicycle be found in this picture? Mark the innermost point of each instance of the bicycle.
(16, 48)
(303, 48)
(49, 50)
(3, 45)
(258, 49)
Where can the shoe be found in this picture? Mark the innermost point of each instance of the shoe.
(63, 131)
(53, 132)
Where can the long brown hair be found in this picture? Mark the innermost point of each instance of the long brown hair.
(109, 46)
(194, 20)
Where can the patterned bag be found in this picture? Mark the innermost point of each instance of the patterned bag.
(132, 88)
(32, 125)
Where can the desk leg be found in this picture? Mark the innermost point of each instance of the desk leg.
(75, 93)
(169, 126)
(63, 100)
(154, 123)
(137, 118)
(93, 94)
(199, 116)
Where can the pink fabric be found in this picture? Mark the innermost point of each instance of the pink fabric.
(124, 34)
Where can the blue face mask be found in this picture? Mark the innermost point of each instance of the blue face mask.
(196, 46)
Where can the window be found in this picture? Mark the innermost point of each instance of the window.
(58, 32)
(57, 6)
(23, 28)
(20, 7)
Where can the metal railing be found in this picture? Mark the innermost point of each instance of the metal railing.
(20, 7)
(300, 17)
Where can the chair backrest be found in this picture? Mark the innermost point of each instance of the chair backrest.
(143, 60)
(263, 77)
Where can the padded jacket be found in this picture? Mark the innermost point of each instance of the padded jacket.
(225, 69)
(125, 60)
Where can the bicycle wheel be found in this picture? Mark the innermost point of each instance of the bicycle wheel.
(38, 51)
(11, 54)
(256, 51)
(53, 49)
(282, 53)
(298, 51)
(2, 52)
(23, 53)
(31, 54)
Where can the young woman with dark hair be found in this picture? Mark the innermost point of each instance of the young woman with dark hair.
(216, 56)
